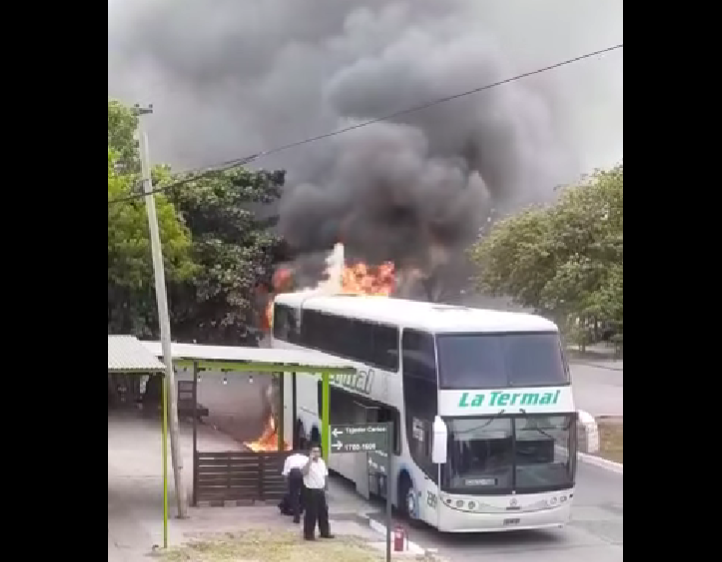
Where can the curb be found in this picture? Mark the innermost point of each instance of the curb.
(591, 441)
(612, 466)
(411, 547)
(598, 366)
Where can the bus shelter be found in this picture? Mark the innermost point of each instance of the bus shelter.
(128, 356)
(219, 477)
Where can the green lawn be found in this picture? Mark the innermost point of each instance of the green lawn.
(264, 546)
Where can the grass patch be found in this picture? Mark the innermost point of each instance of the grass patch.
(264, 546)
(611, 438)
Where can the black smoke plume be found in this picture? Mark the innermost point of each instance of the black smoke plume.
(232, 77)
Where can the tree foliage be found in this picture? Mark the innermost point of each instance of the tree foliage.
(215, 249)
(566, 260)
(234, 250)
(131, 297)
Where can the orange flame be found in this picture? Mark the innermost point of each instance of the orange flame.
(282, 282)
(268, 441)
(362, 279)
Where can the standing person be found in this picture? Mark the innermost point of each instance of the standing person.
(292, 503)
(315, 475)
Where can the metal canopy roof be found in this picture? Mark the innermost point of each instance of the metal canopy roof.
(126, 354)
(252, 358)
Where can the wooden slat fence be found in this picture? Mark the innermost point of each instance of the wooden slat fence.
(238, 476)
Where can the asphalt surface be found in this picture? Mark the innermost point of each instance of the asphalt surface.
(598, 389)
(595, 533)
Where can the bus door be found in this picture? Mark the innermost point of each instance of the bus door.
(362, 414)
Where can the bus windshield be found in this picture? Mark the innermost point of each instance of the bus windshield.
(500, 360)
(495, 455)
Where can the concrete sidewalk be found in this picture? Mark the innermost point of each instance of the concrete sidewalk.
(135, 495)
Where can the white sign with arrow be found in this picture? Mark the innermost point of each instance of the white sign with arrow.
(359, 438)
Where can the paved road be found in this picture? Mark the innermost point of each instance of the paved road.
(598, 390)
(595, 533)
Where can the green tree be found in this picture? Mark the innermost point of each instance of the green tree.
(131, 297)
(122, 123)
(565, 260)
(234, 250)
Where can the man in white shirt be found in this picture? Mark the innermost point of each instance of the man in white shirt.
(315, 474)
(292, 470)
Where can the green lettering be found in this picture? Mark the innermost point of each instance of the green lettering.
(494, 396)
(546, 398)
(462, 401)
(504, 399)
(477, 401)
(514, 397)
(529, 399)
(556, 396)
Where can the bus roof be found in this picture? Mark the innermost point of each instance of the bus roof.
(429, 316)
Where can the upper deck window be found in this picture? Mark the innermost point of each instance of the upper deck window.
(360, 340)
(500, 360)
(285, 323)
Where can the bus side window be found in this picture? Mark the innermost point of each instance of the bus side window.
(419, 357)
(311, 330)
(285, 323)
(386, 347)
(280, 323)
(420, 396)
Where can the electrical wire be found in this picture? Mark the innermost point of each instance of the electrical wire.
(245, 160)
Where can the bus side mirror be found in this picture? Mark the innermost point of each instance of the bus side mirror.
(440, 438)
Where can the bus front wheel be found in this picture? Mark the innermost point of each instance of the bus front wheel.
(406, 500)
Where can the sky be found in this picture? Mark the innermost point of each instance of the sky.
(230, 78)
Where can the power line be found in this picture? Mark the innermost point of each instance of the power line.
(242, 161)
(209, 172)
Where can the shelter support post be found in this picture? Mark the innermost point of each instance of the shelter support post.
(195, 435)
(325, 415)
(294, 411)
(282, 411)
(164, 433)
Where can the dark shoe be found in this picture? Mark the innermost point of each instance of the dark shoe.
(296, 520)
(309, 538)
(329, 536)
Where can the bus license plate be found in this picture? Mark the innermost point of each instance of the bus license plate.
(514, 521)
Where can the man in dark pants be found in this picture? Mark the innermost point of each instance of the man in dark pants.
(315, 476)
(295, 490)
(292, 471)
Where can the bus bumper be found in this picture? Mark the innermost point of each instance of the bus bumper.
(454, 520)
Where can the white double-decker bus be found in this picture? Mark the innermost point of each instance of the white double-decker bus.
(498, 380)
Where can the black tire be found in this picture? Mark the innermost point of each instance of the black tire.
(301, 441)
(403, 491)
(405, 487)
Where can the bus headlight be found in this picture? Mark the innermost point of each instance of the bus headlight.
(472, 505)
(459, 503)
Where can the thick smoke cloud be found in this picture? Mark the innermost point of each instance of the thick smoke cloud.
(232, 77)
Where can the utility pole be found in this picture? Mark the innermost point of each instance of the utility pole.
(163, 317)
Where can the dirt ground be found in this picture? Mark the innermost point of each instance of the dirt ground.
(260, 546)
(611, 438)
